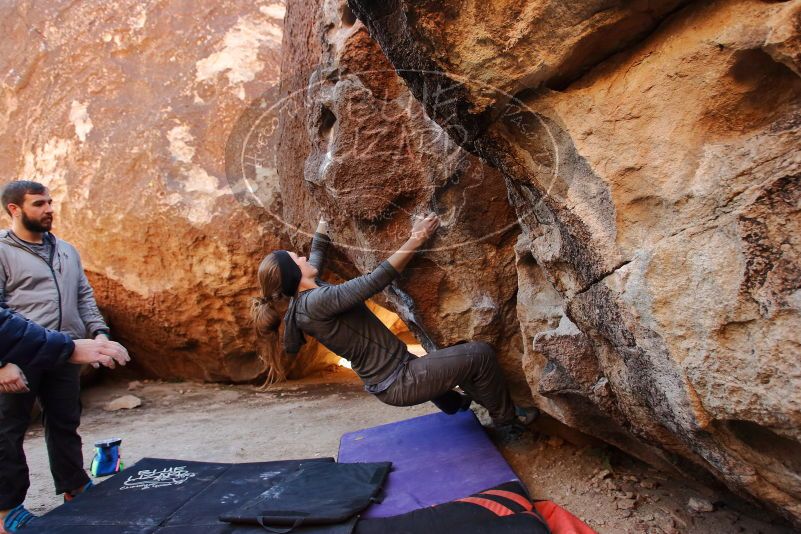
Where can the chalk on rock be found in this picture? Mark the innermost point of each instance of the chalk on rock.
(699, 505)
(126, 402)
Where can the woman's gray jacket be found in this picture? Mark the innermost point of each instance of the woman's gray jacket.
(336, 315)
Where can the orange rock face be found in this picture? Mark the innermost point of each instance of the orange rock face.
(651, 155)
(123, 109)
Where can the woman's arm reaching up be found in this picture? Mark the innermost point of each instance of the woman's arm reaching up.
(331, 300)
(319, 246)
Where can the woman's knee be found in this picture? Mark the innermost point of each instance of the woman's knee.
(483, 349)
(483, 356)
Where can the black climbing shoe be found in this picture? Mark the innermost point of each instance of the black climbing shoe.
(509, 433)
(526, 415)
(467, 400)
(452, 402)
(516, 429)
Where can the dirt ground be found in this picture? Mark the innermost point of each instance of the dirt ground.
(610, 491)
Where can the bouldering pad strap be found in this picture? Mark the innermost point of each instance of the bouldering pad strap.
(279, 530)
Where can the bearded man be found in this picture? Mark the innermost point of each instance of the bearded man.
(42, 279)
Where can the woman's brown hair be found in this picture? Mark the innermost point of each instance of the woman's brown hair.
(263, 309)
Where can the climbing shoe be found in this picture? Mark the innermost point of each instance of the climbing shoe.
(452, 402)
(509, 433)
(526, 415)
(467, 400)
(69, 495)
(516, 429)
(17, 518)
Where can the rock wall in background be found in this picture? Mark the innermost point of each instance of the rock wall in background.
(650, 151)
(124, 110)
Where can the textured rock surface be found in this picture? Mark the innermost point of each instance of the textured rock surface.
(372, 159)
(651, 154)
(123, 109)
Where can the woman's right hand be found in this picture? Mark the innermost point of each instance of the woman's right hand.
(424, 228)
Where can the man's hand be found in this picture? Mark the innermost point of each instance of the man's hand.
(99, 351)
(424, 227)
(12, 379)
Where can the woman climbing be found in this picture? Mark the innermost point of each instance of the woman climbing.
(337, 317)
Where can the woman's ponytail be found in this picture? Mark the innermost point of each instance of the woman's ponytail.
(263, 309)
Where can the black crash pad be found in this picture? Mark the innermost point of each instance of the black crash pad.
(173, 496)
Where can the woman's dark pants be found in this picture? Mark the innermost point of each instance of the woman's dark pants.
(471, 366)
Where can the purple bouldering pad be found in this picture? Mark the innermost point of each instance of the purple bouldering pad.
(435, 458)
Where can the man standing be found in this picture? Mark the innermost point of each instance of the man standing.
(42, 279)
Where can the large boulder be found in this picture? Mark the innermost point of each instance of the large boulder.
(356, 145)
(650, 150)
(123, 109)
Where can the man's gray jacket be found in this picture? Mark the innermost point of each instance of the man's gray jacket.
(55, 295)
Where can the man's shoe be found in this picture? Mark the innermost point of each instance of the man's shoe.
(526, 415)
(17, 518)
(69, 495)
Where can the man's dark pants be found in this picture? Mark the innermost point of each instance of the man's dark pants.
(59, 394)
(471, 366)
